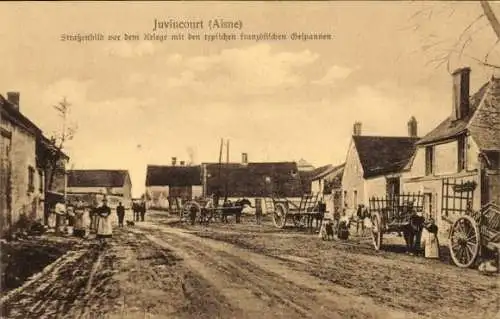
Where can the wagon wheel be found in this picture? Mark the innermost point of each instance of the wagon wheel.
(376, 230)
(464, 241)
(279, 215)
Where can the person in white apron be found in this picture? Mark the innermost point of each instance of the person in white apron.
(430, 241)
(104, 229)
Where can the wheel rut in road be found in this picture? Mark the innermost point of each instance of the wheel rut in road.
(263, 286)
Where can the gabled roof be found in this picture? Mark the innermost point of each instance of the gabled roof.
(324, 171)
(97, 178)
(381, 155)
(483, 120)
(157, 175)
(249, 180)
(11, 112)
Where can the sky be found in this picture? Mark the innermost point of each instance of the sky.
(142, 102)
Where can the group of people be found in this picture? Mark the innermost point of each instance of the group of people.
(96, 218)
(418, 234)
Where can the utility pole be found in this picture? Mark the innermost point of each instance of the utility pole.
(217, 191)
(227, 170)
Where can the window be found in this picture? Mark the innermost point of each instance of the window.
(461, 153)
(355, 199)
(40, 181)
(31, 179)
(429, 160)
(345, 198)
(392, 186)
(429, 206)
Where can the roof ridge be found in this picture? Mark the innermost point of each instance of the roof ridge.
(386, 136)
(97, 170)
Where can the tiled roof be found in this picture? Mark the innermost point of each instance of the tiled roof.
(483, 120)
(173, 175)
(484, 126)
(381, 155)
(249, 180)
(97, 178)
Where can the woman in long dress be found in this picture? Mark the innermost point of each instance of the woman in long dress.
(430, 240)
(79, 220)
(104, 229)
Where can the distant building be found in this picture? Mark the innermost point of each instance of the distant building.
(327, 181)
(166, 184)
(114, 184)
(252, 180)
(463, 148)
(304, 166)
(374, 165)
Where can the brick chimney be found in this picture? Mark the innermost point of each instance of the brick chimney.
(174, 161)
(412, 127)
(461, 82)
(356, 131)
(13, 97)
(244, 158)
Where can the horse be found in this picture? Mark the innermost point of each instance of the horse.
(229, 209)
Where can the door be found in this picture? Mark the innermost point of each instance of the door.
(429, 206)
(5, 182)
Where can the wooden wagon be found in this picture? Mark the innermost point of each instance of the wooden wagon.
(393, 214)
(303, 210)
(203, 210)
(474, 234)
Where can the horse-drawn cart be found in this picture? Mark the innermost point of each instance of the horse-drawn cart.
(474, 234)
(304, 210)
(396, 213)
(203, 210)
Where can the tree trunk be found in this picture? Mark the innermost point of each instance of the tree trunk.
(488, 12)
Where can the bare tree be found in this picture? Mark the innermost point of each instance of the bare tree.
(487, 19)
(53, 153)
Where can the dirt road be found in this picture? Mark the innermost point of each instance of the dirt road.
(154, 270)
(263, 287)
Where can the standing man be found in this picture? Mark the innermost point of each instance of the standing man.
(120, 211)
(143, 210)
(258, 210)
(136, 209)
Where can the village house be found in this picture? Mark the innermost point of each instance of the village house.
(23, 175)
(168, 185)
(374, 165)
(327, 181)
(304, 166)
(95, 184)
(463, 149)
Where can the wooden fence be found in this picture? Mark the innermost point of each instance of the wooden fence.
(395, 205)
